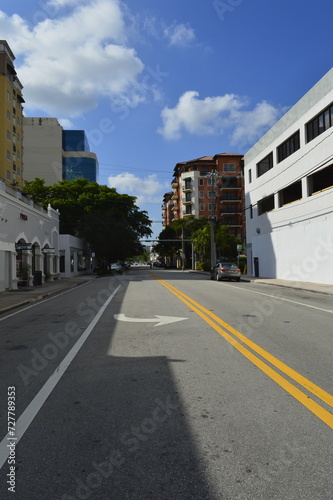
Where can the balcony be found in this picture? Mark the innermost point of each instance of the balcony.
(174, 184)
(175, 196)
(231, 221)
(187, 200)
(227, 210)
(230, 198)
(231, 182)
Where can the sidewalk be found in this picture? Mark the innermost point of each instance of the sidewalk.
(298, 285)
(16, 298)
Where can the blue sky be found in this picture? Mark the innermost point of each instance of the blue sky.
(155, 82)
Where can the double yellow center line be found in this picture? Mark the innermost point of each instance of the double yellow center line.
(214, 321)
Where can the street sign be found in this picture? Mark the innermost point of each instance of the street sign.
(48, 250)
(23, 246)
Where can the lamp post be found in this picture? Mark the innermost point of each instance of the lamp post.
(213, 175)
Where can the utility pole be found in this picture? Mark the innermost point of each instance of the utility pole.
(183, 250)
(213, 175)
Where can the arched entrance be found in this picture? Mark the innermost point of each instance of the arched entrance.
(23, 262)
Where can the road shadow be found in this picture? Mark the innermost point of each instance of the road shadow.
(114, 427)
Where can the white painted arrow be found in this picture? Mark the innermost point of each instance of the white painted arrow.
(162, 320)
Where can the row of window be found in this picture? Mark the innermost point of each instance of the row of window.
(227, 167)
(17, 153)
(315, 127)
(16, 171)
(316, 182)
(15, 136)
(9, 118)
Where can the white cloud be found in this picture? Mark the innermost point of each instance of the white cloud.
(214, 115)
(179, 34)
(70, 62)
(146, 190)
(250, 125)
(197, 116)
(65, 123)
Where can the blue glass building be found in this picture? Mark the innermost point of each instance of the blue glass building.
(77, 161)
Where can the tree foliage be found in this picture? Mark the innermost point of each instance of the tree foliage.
(167, 248)
(109, 221)
(198, 230)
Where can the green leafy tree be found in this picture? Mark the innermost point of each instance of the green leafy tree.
(201, 242)
(167, 249)
(226, 243)
(109, 221)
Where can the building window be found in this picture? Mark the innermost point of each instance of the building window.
(319, 124)
(18, 171)
(209, 181)
(288, 147)
(250, 176)
(210, 207)
(323, 179)
(8, 135)
(266, 204)
(8, 96)
(251, 211)
(8, 155)
(187, 196)
(230, 221)
(188, 183)
(204, 171)
(18, 155)
(264, 165)
(8, 115)
(228, 167)
(290, 193)
(8, 175)
(202, 207)
(229, 195)
(201, 194)
(188, 210)
(201, 182)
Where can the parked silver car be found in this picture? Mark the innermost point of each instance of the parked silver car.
(225, 270)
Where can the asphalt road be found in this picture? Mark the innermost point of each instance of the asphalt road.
(166, 385)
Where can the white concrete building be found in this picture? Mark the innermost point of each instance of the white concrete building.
(75, 256)
(42, 142)
(289, 192)
(29, 241)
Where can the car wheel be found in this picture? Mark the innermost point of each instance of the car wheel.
(218, 277)
(237, 279)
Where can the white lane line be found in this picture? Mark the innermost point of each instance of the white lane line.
(33, 408)
(42, 301)
(286, 300)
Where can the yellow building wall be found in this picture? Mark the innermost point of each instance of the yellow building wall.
(11, 123)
